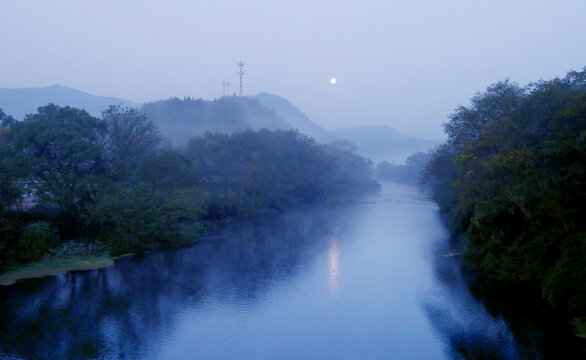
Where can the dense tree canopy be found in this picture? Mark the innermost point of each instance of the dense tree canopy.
(10, 191)
(511, 178)
(130, 139)
(61, 150)
(276, 170)
(65, 175)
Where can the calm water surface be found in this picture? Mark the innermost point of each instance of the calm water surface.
(360, 282)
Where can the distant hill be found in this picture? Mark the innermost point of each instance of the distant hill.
(181, 119)
(383, 143)
(19, 102)
(293, 116)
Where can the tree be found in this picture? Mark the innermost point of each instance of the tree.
(6, 120)
(511, 179)
(142, 217)
(11, 189)
(131, 138)
(256, 170)
(61, 149)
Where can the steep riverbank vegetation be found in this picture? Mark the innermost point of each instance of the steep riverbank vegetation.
(511, 179)
(72, 181)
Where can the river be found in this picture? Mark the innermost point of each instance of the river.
(369, 281)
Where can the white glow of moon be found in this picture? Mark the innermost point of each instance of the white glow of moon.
(333, 81)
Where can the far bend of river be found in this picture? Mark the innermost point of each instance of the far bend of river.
(357, 282)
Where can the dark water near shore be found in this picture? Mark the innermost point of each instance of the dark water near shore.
(368, 281)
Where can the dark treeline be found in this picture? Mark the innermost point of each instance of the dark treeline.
(109, 183)
(253, 170)
(511, 179)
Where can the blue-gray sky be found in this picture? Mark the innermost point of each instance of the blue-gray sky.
(404, 63)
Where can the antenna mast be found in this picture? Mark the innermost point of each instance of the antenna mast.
(226, 88)
(240, 72)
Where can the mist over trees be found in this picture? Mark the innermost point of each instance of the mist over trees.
(383, 143)
(181, 119)
(407, 173)
(68, 176)
(276, 170)
(511, 179)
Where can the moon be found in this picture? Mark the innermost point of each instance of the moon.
(333, 81)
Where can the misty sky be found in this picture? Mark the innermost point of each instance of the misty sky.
(407, 64)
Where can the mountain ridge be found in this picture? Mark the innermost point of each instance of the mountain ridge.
(19, 102)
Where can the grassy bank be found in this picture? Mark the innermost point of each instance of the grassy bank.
(55, 265)
(580, 327)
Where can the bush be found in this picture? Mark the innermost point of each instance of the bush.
(565, 284)
(35, 240)
(140, 218)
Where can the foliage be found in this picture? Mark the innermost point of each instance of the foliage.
(10, 172)
(130, 139)
(564, 284)
(167, 169)
(6, 120)
(36, 239)
(110, 181)
(249, 171)
(407, 173)
(511, 179)
(134, 219)
(182, 119)
(11, 225)
(60, 150)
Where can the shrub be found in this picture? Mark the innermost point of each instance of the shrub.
(35, 240)
(565, 284)
(140, 218)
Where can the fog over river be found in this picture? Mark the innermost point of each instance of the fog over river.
(367, 281)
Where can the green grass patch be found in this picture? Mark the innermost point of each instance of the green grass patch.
(580, 327)
(55, 265)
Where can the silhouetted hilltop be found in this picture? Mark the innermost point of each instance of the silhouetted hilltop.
(19, 102)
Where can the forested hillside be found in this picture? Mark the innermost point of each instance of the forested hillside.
(511, 179)
(181, 119)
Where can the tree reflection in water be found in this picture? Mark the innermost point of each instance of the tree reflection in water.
(479, 320)
(123, 311)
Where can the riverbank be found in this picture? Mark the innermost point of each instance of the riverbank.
(54, 266)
